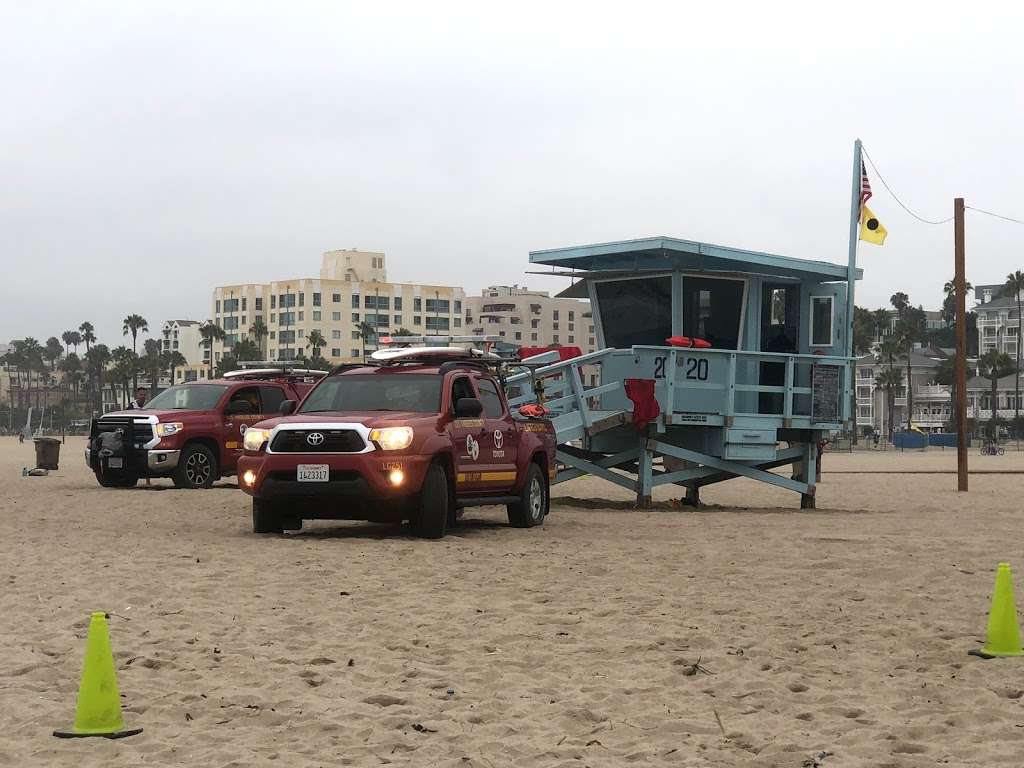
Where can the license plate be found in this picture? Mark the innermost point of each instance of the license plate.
(115, 463)
(313, 473)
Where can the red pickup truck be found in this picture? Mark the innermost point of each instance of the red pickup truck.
(415, 439)
(190, 432)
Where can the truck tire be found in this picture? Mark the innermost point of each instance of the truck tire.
(197, 467)
(116, 480)
(532, 507)
(432, 520)
(266, 518)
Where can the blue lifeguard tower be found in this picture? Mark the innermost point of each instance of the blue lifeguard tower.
(775, 379)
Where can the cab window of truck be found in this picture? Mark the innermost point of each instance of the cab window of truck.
(490, 398)
(461, 388)
(250, 395)
(272, 398)
(188, 397)
(375, 392)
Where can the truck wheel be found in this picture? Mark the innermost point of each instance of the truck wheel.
(197, 467)
(116, 480)
(532, 507)
(265, 518)
(432, 520)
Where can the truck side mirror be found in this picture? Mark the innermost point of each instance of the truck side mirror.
(468, 408)
(287, 407)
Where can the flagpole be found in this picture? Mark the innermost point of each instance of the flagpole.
(851, 278)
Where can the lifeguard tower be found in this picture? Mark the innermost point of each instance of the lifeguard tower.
(772, 382)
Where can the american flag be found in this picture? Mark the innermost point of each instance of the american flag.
(865, 185)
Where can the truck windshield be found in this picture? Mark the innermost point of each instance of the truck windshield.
(187, 397)
(376, 392)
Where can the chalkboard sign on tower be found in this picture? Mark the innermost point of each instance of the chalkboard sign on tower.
(825, 393)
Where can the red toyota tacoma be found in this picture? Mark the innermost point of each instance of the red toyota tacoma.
(190, 432)
(415, 440)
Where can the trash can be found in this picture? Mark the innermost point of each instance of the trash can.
(47, 452)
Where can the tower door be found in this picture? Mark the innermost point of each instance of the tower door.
(780, 332)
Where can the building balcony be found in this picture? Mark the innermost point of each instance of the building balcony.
(932, 392)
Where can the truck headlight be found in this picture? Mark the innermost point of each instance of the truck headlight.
(392, 438)
(255, 438)
(168, 428)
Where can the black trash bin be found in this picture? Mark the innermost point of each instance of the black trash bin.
(47, 452)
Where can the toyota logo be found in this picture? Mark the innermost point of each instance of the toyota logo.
(499, 438)
(315, 438)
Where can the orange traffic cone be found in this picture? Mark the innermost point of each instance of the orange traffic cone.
(99, 702)
(1003, 627)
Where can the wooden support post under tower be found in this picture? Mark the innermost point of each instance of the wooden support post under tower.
(644, 476)
(961, 345)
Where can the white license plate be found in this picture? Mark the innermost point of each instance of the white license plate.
(115, 463)
(313, 473)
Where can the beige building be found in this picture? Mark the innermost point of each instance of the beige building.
(183, 336)
(531, 318)
(351, 304)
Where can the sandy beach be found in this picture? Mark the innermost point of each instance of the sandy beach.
(843, 630)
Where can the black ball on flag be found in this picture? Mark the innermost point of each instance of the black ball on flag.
(871, 224)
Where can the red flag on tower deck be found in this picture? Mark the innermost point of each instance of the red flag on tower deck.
(865, 185)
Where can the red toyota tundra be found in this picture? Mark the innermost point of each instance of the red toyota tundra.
(415, 439)
(190, 432)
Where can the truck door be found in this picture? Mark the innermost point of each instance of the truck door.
(498, 454)
(242, 410)
(467, 436)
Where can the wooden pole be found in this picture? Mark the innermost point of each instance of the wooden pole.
(961, 345)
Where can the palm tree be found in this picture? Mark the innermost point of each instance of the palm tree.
(71, 367)
(52, 351)
(134, 325)
(172, 361)
(949, 303)
(890, 380)
(210, 332)
(258, 330)
(245, 350)
(97, 359)
(900, 301)
(152, 364)
(366, 331)
(910, 329)
(1012, 288)
(67, 337)
(89, 338)
(316, 340)
(888, 350)
(993, 365)
(126, 367)
(881, 320)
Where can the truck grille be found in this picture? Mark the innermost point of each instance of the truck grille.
(335, 441)
(141, 432)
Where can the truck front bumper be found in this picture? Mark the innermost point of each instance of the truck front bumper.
(158, 462)
(353, 480)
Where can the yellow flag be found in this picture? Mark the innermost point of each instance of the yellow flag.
(871, 229)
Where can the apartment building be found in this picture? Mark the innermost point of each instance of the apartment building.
(932, 408)
(998, 323)
(351, 304)
(531, 318)
(183, 336)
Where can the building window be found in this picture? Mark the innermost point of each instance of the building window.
(439, 306)
(335, 352)
(864, 392)
(555, 339)
(230, 324)
(302, 299)
(273, 334)
(572, 316)
(417, 304)
(458, 307)
(336, 298)
(501, 333)
(398, 320)
(590, 329)
(273, 317)
(458, 322)
(821, 321)
(286, 300)
(535, 324)
(355, 301)
(316, 299)
(355, 317)
(864, 411)
(286, 337)
(335, 334)
(590, 341)
(301, 316)
(355, 335)
(417, 320)
(259, 304)
(554, 326)
(533, 337)
(273, 301)
(217, 304)
(243, 319)
(519, 335)
(398, 303)
(572, 339)
(286, 318)
(554, 314)
(336, 317)
(316, 314)
(355, 353)
(377, 302)
(437, 323)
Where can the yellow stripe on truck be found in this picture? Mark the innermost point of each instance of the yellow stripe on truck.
(486, 477)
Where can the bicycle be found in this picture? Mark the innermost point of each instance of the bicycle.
(992, 448)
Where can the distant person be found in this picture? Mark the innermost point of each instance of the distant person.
(139, 401)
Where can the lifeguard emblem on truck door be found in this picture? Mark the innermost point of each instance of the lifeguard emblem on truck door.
(472, 447)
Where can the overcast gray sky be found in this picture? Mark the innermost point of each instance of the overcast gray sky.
(149, 151)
